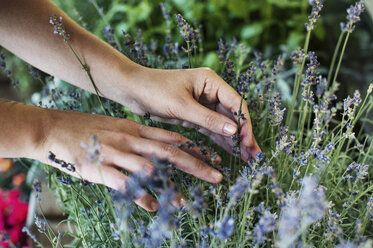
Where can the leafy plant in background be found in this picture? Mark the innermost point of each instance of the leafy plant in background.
(311, 186)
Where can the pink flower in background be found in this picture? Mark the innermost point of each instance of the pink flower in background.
(13, 214)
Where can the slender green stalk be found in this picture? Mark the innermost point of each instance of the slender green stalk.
(78, 222)
(345, 211)
(189, 56)
(88, 202)
(298, 78)
(331, 68)
(303, 119)
(49, 227)
(340, 58)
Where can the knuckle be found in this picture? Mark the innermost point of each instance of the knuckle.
(122, 137)
(176, 109)
(176, 137)
(207, 70)
(169, 150)
(210, 120)
(142, 129)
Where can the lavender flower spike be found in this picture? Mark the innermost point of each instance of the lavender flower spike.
(298, 214)
(58, 27)
(353, 16)
(317, 6)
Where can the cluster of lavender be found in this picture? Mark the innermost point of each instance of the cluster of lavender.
(7, 72)
(191, 35)
(317, 6)
(353, 16)
(311, 186)
(58, 26)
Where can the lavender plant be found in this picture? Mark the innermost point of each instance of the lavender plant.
(311, 186)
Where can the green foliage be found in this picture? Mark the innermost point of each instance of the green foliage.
(324, 141)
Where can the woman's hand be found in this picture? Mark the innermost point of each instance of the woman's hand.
(125, 145)
(188, 97)
(192, 98)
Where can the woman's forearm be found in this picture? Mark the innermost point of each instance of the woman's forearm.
(23, 129)
(25, 31)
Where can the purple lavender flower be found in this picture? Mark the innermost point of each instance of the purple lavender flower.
(165, 222)
(311, 78)
(198, 205)
(169, 47)
(34, 72)
(330, 146)
(266, 224)
(222, 52)
(236, 149)
(238, 189)
(165, 12)
(321, 86)
(346, 244)
(63, 164)
(26, 230)
(109, 36)
(289, 222)
(333, 229)
(312, 201)
(2, 61)
(284, 142)
(302, 212)
(354, 243)
(370, 89)
(317, 6)
(276, 114)
(93, 151)
(225, 228)
(353, 16)
(58, 27)
(298, 56)
(229, 75)
(65, 180)
(277, 66)
(370, 209)
(36, 186)
(40, 224)
(185, 28)
(361, 171)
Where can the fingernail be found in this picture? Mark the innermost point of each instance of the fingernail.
(183, 201)
(154, 205)
(229, 129)
(217, 175)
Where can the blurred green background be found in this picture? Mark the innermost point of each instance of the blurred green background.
(272, 27)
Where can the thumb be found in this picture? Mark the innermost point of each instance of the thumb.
(209, 119)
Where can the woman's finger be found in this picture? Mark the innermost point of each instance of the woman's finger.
(209, 119)
(137, 164)
(172, 138)
(231, 100)
(224, 142)
(112, 178)
(128, 161)
(181, 160)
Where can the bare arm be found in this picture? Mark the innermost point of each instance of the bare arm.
(22, 129)
(195, 97)
(25, 31)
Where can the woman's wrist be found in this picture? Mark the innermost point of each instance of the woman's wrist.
(24, 129)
